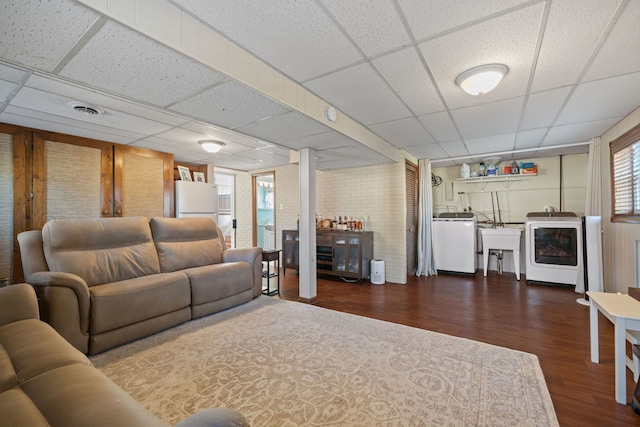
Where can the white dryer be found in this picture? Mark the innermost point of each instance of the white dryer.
(553, 247)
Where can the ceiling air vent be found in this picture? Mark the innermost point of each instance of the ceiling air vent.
(86, 108)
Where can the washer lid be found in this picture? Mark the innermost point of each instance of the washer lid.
(457, 215)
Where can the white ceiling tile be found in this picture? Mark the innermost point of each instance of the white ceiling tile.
(57, 105)
(403, 133)
(226, 135)
(426, 151)
(229, 104)
(440, 126)
(6, 88)
(508, 39)
(454, 148)
(490, 144)
(407, 76)
(269, 157)
(298, 38)
(283, 128)
(543, 107)
(578, 132)
(435, 16)
(78, 93)
(530, 138)
(39, 34)
(374, 25)
(11, 74)
(573, 27)
(361, 94)
(122, 61)
(322, 141)
(49, 122)
(602, 99)
(561, 151)
(496, 118)
(614, 58)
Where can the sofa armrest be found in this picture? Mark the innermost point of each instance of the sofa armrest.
(65, 304)
(254, 257)
(215, 417)
(250, 255)
(18, 302)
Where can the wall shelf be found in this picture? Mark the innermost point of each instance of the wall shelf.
(506, 180)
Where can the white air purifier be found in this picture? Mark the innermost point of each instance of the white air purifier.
(377, 272)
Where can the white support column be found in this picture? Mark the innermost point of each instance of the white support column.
(307, 244)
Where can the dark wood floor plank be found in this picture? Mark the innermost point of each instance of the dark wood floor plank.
(497, 309)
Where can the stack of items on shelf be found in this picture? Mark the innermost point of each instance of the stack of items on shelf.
(342, 223)
(528, 168)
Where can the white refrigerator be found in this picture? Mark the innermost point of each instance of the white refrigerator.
(196, 199)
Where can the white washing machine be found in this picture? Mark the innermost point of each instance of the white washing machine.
(454, 242)
(553, 247)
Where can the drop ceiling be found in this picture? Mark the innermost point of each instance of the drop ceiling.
(387, 66)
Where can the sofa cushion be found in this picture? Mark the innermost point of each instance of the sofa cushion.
(114, 305)
(85, 247)
(18, 410)
(26, 341)
(8, 377)
(215, 282)
(77, 395)
(186, 242)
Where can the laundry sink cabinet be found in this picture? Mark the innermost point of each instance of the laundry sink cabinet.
(501, 239)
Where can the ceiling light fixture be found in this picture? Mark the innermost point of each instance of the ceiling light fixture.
(482, 79)
(211, 145)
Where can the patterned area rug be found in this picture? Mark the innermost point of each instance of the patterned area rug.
(284, 363)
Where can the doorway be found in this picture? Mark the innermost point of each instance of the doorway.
(264, 221)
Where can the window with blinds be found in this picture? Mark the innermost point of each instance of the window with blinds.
(625, 177)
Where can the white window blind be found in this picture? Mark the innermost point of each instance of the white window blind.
(625, 171)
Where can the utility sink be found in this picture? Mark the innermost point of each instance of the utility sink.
(501, 239)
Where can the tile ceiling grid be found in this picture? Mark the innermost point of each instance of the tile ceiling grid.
(599, 20)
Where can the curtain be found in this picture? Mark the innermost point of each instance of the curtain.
(593, 203)
(593, 207)
(426, 261)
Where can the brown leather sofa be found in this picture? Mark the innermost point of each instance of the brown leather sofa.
(105, 282)
(44, 381)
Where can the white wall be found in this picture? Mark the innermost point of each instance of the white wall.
(619, 239)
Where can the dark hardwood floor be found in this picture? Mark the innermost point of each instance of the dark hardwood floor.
(543, 320)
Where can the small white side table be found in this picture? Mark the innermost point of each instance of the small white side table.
(624, 312)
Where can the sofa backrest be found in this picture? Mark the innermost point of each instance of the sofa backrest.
(31, 252)
(101, 250)
(186, 242)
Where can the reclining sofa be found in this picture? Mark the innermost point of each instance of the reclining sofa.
(104, 282)
(44, 381)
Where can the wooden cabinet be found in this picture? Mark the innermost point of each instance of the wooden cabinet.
(346, 254)
(290, 249)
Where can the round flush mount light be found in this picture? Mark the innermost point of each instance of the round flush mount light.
(482, 79)
(88, 109)
(211, 145)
